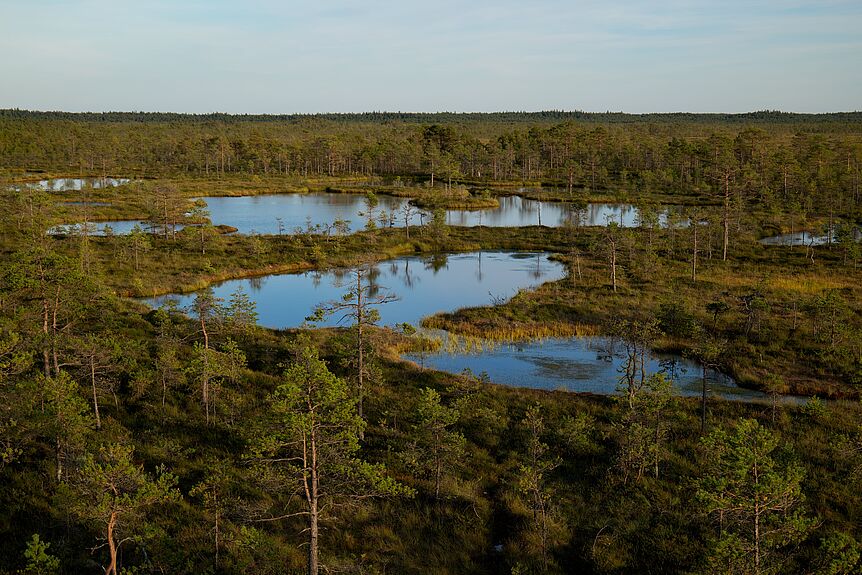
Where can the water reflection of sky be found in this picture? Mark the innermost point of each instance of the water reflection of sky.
(74, 184)
(425, 286)
(261, 214)
(589, 364)
(796, 239)
(441, 283)
(317, 212)
(515, 211)
(117, 228)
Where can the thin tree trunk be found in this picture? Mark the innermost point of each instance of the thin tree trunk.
(112, 546)
(726, 216)
(95, 395)
(217, 517)
(313, 567)
(438, 466)
(45, 353)
(703, 403)
(360, 390)
(54, 333)
(757, 511)
(206, 368)
(59, 449)
(544, 532)
(694, 258)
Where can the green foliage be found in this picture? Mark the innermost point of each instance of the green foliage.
(68, 420)
(781, 317)
(532, 480)
(578, 434)
(814, 409)
(437, 447)
(13, 359)
(438, 224)
(644, 430)
(754, 489)
(39, 560)
(839, 554)
(312, 412)
(214, 370)
(676, 320)
(113, 492)
(848, 446)
(830, 314)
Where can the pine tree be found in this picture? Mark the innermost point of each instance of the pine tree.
(309, 449)
(111, 490)
(754, 490)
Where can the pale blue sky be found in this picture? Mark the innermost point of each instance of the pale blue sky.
(268, 56)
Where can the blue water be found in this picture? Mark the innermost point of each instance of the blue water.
(299, 212)
(304, 212)
(318, 212)
(444, 283)
(807, 238)
(424, 286)
(796, 239)
(586, 364)
(515, 211)
(117, 228)
(73, 184)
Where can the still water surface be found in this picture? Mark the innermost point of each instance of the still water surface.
(260, 214)
(299, 212)
(585, 364)
(317, 213)
(424, 286)
(74, 184)
(428, 285)
(115, 227)
(796, 239)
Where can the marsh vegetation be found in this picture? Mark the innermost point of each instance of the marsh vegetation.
(256, 414)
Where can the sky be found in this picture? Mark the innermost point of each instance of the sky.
(284, 56)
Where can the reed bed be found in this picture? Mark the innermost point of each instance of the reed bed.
(510, 332)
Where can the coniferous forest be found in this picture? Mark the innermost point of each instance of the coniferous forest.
(155, 420)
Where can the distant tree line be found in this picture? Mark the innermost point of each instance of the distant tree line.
(769, 116)
(780, 166)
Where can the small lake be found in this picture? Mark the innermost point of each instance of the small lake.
(289, 213)
(805, 239)
(796, 239)
(317, 212)
(74, 184)
(260, 214)
(515, 211)
(443, 283)
(117, 227)
(425, 286)
(584, 364)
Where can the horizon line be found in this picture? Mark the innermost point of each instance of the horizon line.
(428, 113)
